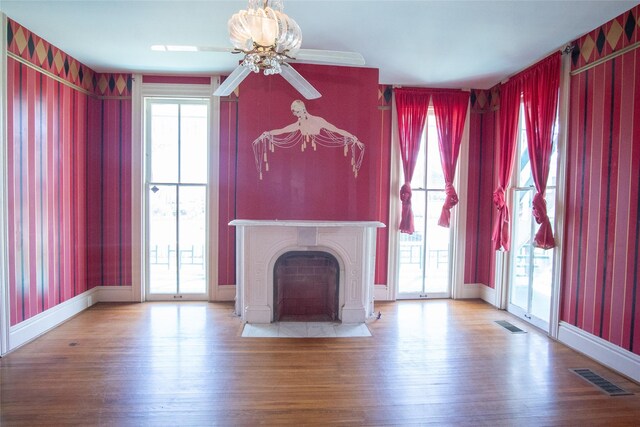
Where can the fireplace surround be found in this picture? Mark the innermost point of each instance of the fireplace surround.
(259, 244)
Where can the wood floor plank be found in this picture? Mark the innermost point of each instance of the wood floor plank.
(438, 362)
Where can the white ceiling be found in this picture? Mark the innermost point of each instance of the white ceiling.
(457, 44)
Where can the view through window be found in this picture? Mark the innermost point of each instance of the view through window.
(424, 255)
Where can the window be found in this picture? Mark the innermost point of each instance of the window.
(177, 186)
(424, 255)
(531, 272)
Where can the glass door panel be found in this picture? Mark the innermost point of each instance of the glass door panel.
(532, 268)
(192, 225)
(177, 171)
(412, 248)
(424, 255)
(163, 270)
(194, 128)
(437, 247)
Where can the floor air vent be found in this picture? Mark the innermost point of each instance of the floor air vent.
(603, 384)
(512, 328)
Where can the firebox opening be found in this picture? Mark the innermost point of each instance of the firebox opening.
(305, 287)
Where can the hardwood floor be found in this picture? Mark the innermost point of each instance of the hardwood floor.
(436, 362)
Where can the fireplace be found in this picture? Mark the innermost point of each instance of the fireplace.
(305, 287)
(260, 243)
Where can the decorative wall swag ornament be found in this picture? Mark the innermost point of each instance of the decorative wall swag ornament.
(307, 130)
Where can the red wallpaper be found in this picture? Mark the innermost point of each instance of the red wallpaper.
(600, 285)
(383, 170)
(46, 161)
(57, 127)
(479, 256)
(109, 193)
(314, 184)
(227, 190)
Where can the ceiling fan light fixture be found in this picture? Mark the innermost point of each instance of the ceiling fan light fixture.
(265, 34)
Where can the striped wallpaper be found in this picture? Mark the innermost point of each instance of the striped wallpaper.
(602, 238)
(46, 163)
(383, 169)
(227, 190)
(62, 121)
(479, 255)
(109, 193)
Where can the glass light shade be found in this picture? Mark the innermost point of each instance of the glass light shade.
(265, 26)
(253, 26)
(290, 35)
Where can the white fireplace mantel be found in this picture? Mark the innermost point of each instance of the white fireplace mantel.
(259, 243)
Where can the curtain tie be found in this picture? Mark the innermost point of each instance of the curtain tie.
(405, 194)
(540, 208)
(451, 198)
(498, 198)
(406, 219)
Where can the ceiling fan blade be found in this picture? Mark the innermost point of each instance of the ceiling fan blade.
(299, 82)
(232, 82)
(214, 49)
(330, 56)
(189, 48)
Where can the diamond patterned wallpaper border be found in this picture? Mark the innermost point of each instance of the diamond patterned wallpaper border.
(617, 34)
(41, 54)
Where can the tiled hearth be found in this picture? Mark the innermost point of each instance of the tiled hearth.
(305, 330)
(259, 243)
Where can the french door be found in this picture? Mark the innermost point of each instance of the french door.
(531, 268)
(424, 270)
(176, 134)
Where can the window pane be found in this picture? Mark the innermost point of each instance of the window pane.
(553, 166)
(435, 177)
(418, 179)
(525, 178)
(164, 142)
(412, 249)
(437, 246)
(162, 239)
(523, 164)
(192, 226)
(193, 143)
(521, 247)
(543, 268)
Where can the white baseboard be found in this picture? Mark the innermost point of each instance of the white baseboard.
(32, 328)
(225, 293)
(381, 293)
(488, 294)
(115, 293)
(468, 291)
(610, 355)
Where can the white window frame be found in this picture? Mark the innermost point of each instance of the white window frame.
(138, 176)
(458, 288)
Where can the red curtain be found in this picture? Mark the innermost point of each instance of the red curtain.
(411, 106)
(451, 111)
(508, 116)
(540, 87)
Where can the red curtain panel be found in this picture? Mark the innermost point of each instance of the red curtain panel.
(451, 112)
(540, 86)
(508, 116)
(411, 107)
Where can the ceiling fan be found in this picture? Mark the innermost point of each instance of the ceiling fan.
(268, 38)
